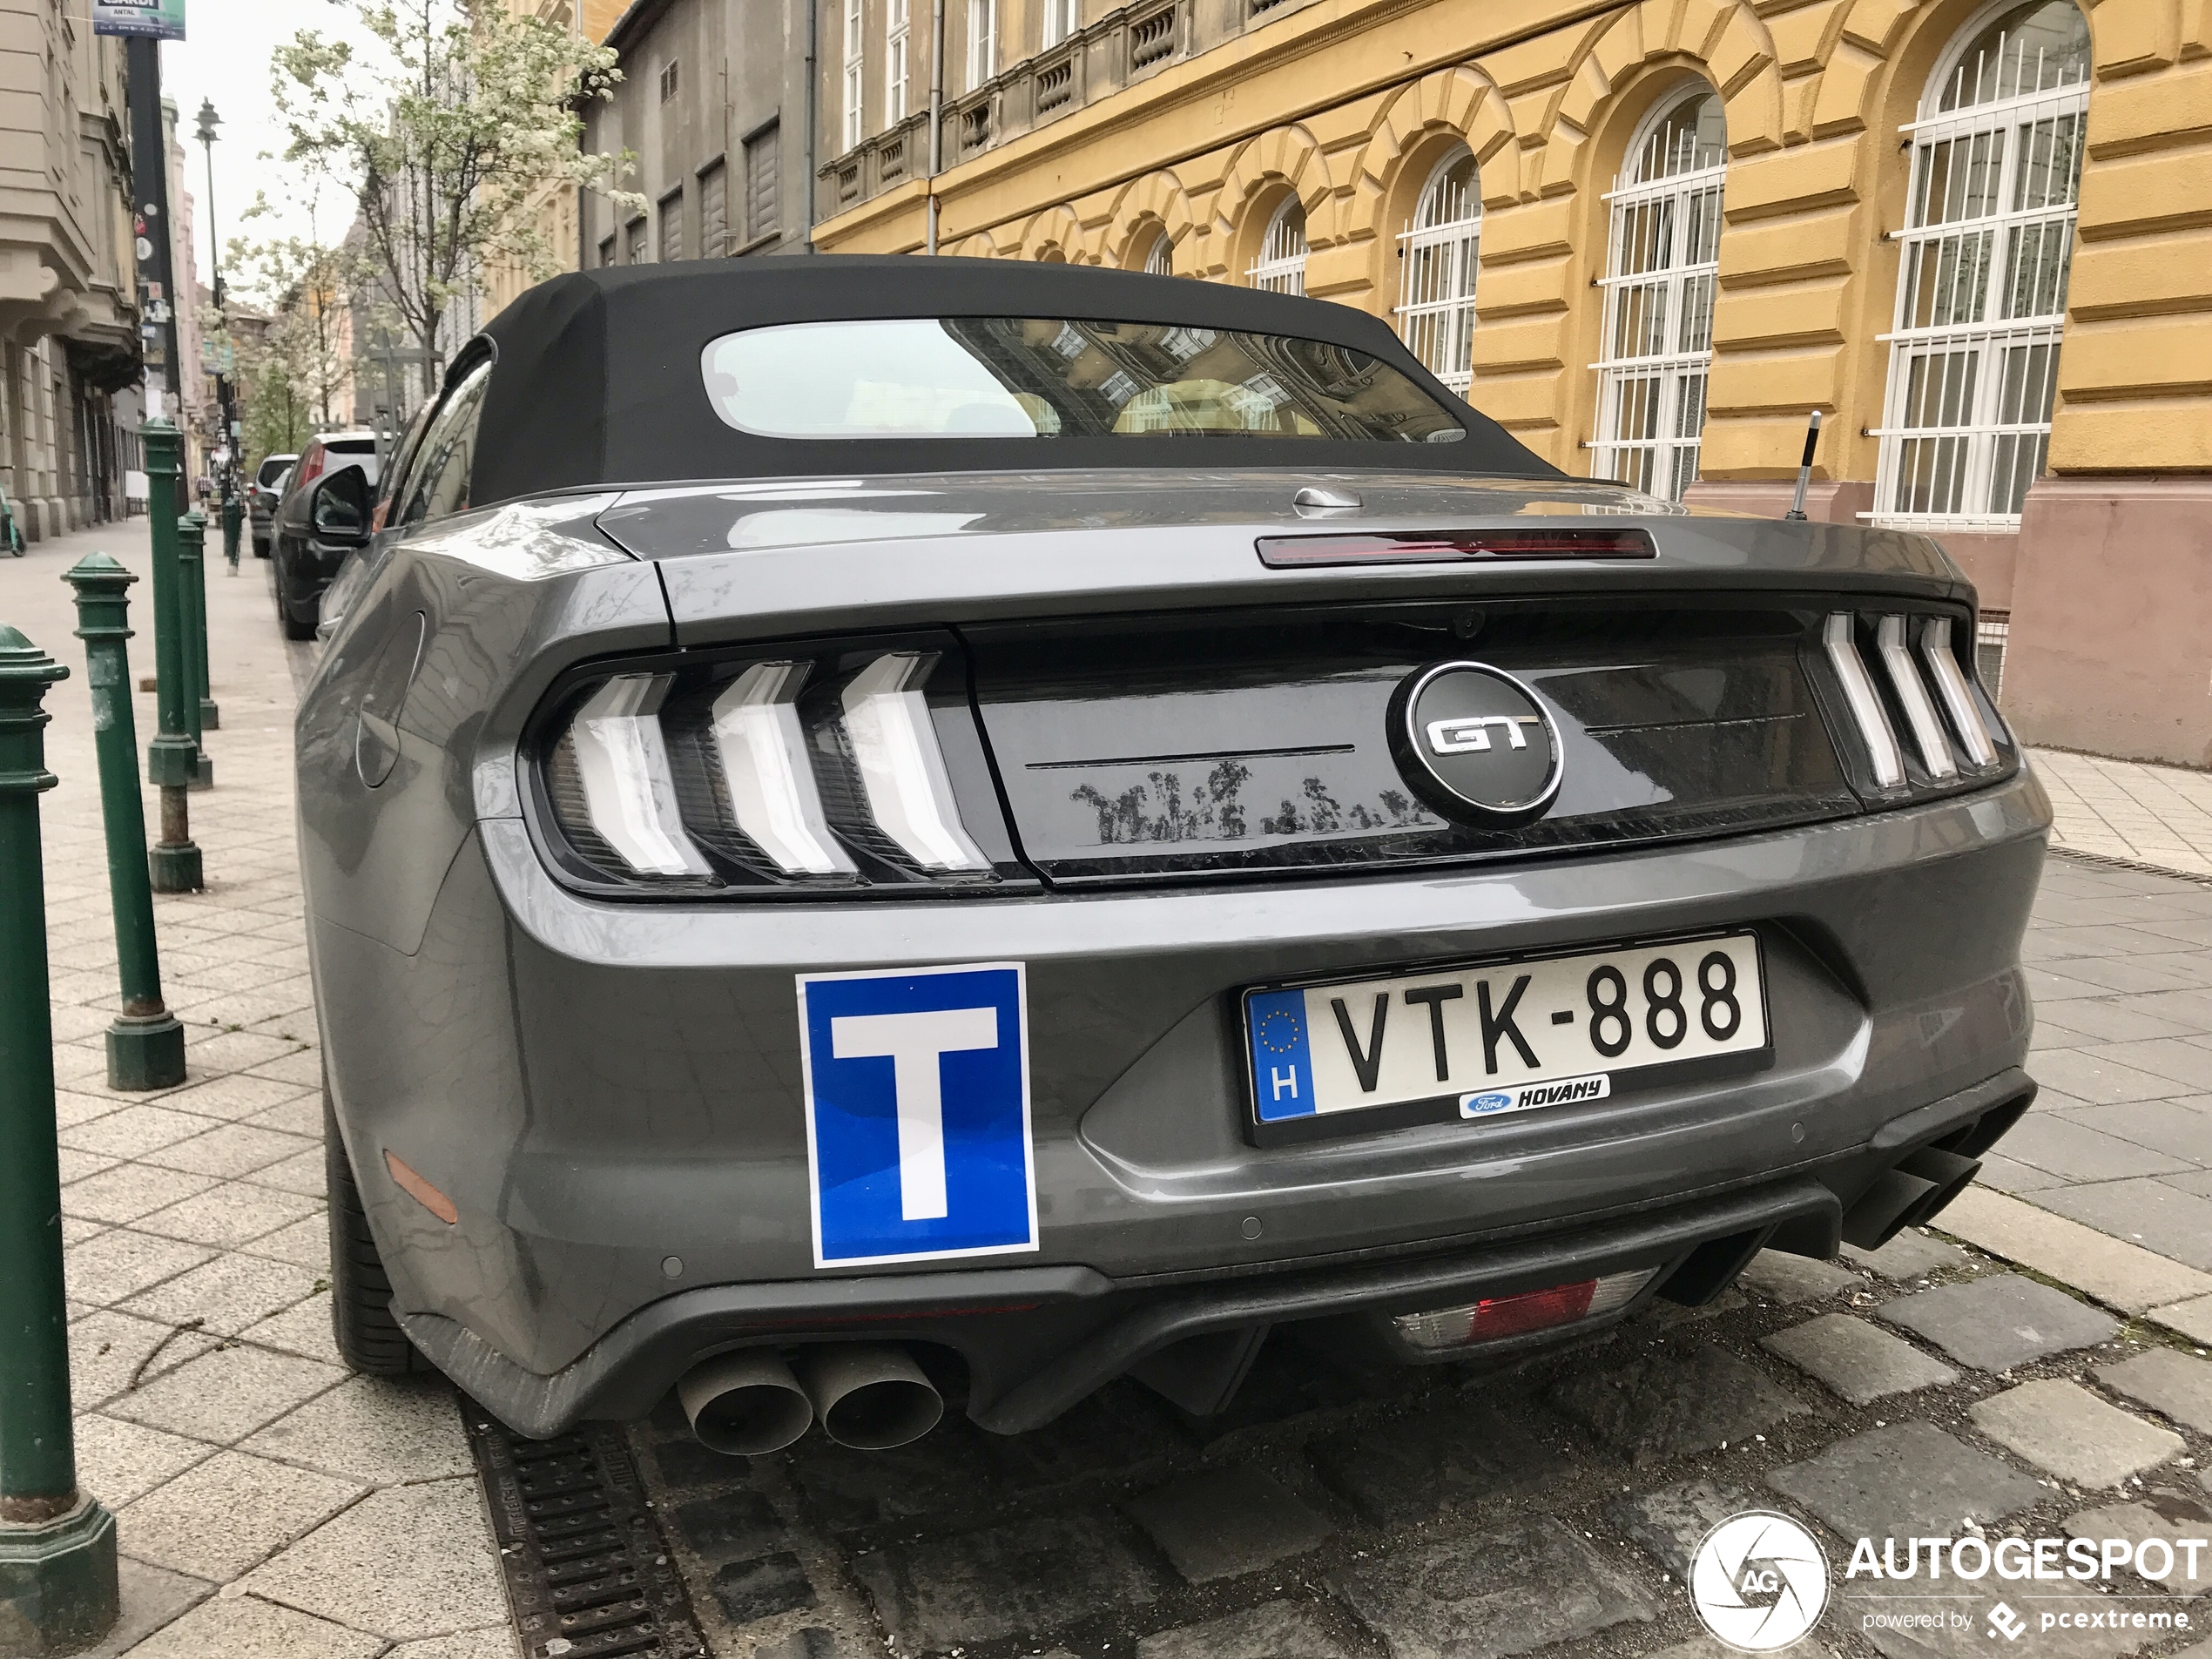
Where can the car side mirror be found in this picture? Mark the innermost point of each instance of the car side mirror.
(338, 511)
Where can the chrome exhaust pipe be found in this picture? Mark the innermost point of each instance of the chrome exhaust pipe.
(744, 1403)
(869, 1396)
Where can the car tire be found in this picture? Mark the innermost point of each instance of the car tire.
(369, 1338)
(294, 628)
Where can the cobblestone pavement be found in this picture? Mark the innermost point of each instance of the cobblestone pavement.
(268, 1505)
(2126, 809)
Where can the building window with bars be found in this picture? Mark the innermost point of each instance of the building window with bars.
(606, 251)
(1159, 258)
(982, 41)
(1981, 286)
(761, 172)
(894, 62)
(671, 228)
(1662, 256)
(1437, 256)
(1061, 19)
(635, 240)
(669, 75)
(714, 212)
(856, 70)
(1280, 268)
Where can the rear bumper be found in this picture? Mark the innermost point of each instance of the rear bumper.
(600, 1088)
(1035, 1340)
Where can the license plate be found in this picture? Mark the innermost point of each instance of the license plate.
(1502, 1038)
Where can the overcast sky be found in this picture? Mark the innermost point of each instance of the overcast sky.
(225, 56)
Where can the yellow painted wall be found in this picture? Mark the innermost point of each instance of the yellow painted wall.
(1349, 103)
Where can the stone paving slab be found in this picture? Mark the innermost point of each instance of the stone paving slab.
(1779, 1276)
(2176, 1384)
(1271, 1630)
(1666, 1404)
(1039, 1574)
(2066, 1430)
(2003, 1320)
(1671, 1522)
(1222, 1522)
(1855, 1360)
(2164, 1512)
(1413, 1467)
(1493, 1595)
(2118, 1273)
(1904, 1480)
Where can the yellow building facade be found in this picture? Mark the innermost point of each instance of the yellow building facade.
(1652, 235)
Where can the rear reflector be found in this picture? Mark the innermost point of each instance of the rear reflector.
(1495, 1318)
(1840, 636)
(1281, 552)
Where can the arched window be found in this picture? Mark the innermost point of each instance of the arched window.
(1159, 258)
(1436, 287)
(1281, 266)
(1981, 286)
(1660, 262)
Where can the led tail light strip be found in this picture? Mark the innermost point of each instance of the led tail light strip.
(1839, 634)
(902, 768)
(628, 789)
(1919, 713)
(763, 751)
(1957, 696)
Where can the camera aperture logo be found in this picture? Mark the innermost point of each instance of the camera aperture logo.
(1759, 1581)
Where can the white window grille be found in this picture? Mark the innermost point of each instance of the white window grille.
(1281, 266)
(894, 63)
(1987, 243)
(1660, 268)
(982, 41)
(1061, 19)
(1159, 258)
(855, 74)
(1437, 254)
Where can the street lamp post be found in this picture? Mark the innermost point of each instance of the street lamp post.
(224, 399)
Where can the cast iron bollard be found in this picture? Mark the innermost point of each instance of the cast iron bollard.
(200, 708)
(57, 1586)
(145, 1043)
(173, 759)
(233, 517)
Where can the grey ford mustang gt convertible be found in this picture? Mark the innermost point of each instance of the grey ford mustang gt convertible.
(889, 831)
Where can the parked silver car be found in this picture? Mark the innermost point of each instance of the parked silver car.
(881, 832)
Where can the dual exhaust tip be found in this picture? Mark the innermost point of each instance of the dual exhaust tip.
(1907, 1194)
(869, 1396)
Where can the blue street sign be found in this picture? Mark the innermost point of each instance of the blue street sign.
(1282, 1065)
(918, 1113)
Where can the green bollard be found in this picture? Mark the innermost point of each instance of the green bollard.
(145, 1043)
(192, 565)
(234, 521)
(173, 759)
(57, 1582)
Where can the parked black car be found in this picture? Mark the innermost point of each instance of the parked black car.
(262, 496)
(306, 557)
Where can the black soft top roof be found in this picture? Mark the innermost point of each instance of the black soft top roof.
(597, 374)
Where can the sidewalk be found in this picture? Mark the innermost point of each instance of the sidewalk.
(266, 1503)
(2126, 809)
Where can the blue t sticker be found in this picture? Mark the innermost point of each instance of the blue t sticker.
(1282, 1068)
(918, 1113)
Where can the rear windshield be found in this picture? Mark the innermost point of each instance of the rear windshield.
(275, 467)
(1046, 377)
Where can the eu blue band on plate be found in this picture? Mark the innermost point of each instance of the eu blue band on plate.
(1282, 1066)
(918, 1113)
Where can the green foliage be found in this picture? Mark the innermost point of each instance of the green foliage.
(443, 135)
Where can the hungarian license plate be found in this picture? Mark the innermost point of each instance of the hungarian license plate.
(1501, 1037)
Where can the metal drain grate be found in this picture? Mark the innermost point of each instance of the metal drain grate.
(588, 1575)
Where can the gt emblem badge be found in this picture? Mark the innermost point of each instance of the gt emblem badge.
(1475, 744)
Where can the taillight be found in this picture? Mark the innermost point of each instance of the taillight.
(1956, 738)
(1282, 552)
(793, 772)
(1495, 1317)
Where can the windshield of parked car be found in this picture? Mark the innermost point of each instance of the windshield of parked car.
(1036, 377)
(273, 468)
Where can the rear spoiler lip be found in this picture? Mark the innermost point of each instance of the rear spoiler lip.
(869, 587)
